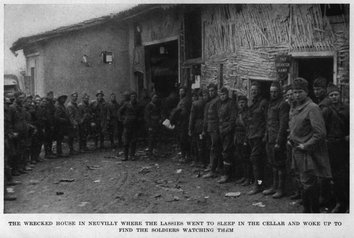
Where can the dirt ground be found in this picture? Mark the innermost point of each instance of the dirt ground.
(99, 182)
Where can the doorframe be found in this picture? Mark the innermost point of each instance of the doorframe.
(321, 54)
(172, 38)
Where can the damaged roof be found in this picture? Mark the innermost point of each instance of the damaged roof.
(22, 42)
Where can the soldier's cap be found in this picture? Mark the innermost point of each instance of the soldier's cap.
(50, 93)
(74, 93)
(332, 88)
(255, 83)
(242, 98)
(126, 93)
(213, 85)
(19, 94)
(276, 84)
(133, 93)
(300, 83)
(62, 96)
(224, 90)
(287, 87)
(37, 96)
(7, 100)
(29, 97)
(113, 94)
(320, 82)
(99, 92)
(85, 94)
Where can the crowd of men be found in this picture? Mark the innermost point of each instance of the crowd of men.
(216, 133)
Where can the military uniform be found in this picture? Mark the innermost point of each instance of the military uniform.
(19, 120)
(196, 121)
(211, 121)
(99, 116)
(256, 125)
(143, 102)
(84, 127)
(152, 120)
(39, 120)
(75, 121)
(184, 106)
(227, 118)
(131, 112)
(112, 119)
(242, 146)
(62, 125)
(276, 134)
(49, 128)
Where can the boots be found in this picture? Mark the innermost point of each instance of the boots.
(257, 188)
(60, 150)
(227, 174)
(71, 146)
(306, 201)
(341, 201)
(242, 180)
(281, 187)
(248, 175)
(132, 150)
(297, 195)
(273, 189)
(315, 200)
(126, 152)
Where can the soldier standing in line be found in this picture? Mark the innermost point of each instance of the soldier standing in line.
(99, 114)
(193, 146)
(112, 118)
(39, 120)
(227, 119)
(9, 151)
(338, 148)
(143, 102)
(120, 129)
(62, 123)
(129, 113)
(205, 142)
(75, 121)
(211, 122)
(196, 122)
(184, 108)
(289, 98)
(19, 119)
(28, 105)
(275, 137)
(319, 88)
(240, 141)
(152, 119)
(86, 118)
(49, 126)
(256, 125)
(308, 140)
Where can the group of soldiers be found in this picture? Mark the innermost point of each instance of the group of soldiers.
(288, 133)
(216, 133)
(35, 122)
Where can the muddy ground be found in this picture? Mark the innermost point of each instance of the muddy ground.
(99, 182)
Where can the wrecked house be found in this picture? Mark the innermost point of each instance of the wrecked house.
(159, 47)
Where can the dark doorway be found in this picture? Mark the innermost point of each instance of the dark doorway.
(312, 68)
(162, 66)
(139, 78)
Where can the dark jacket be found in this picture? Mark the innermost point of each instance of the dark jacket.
(85, 112)
(240, 130)
(277, 121)
(212, 115)
(49, 113)
(62, 121)
(184, 106)
(196, 118)
(152, 115)
(338, 122)
(112, 110)
(130, 113)
(73, 112)
(99, 113)
(143, 102)
(324, 105)
(227, 117)
(256, 119)
(19, 119)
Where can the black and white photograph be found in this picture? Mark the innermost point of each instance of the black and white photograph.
(191, 119)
